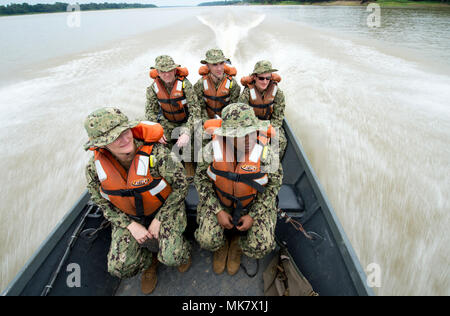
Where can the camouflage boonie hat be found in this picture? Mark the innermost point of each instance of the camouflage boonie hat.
(164, 63)
(262, 67)
(105, 125)
(238, 120)
(214, 56)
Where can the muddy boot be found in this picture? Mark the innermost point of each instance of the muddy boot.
(234, 256)
(184, 267)
(220, 258)
(149, 278)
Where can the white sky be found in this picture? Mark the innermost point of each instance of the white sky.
(156, 2)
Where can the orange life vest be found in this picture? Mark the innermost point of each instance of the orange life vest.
(262, 105)
(237, 182)
(134, 192)
(216, 100)
(173, 105)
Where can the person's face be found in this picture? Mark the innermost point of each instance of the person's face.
(262, 80)
(217, 70)
(123, 144)
(168, 76)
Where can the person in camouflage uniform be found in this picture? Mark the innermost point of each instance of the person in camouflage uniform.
(127, 255)
(215, 61)
(261, 79)
(258, 219)
(166, 68)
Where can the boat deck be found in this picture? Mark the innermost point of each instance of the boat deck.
(200, 279)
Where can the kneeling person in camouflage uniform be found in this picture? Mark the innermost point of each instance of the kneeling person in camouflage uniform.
(238, 189)
(137, 182)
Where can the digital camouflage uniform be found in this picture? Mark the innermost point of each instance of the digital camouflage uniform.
(126, 257)
(259, 239)
(279, 104)
(214, 56)
(152, 108)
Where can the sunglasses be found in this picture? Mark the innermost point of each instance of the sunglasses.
(264, 78)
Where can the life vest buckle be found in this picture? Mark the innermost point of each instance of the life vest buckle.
(235, 177)
(126, 192)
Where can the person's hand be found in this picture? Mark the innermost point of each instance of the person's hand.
(183, 140)
(139, 232)
(225, 220)
(163, 140)
(154, 228)
(245, 222)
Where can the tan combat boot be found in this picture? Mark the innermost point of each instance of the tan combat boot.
(149, 279)
(190, 170)
(220, 258)
(184, 267)
(234, 256)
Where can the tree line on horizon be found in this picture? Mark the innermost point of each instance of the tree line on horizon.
(231, 2)
(25, 8)
(309, 1)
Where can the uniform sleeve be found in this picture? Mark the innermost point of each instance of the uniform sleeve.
(266, 201)
(245, 96)
(235, 92)
(171, 169)
(111, 213)
(198, 88)
(193, 106)
(206, 193)
(151, 105)
(278, 109)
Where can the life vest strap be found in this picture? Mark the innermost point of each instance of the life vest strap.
(174, 112)
(215, 110)
(142, 153)
(219, 99)
(237, 200)
(172, 101)
(262, 106)
(136, 193)
(247, 178)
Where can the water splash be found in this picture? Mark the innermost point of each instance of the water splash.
(231, 29)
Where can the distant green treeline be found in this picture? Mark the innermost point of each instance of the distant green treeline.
(309, 1)
(213, 3)
(25, 8)
(231, 2)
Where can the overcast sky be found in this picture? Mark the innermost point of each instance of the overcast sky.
(156, 2)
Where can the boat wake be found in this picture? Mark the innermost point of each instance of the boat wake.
(231, 29)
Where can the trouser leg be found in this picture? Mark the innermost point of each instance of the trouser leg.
(126, 258)
(209, 234)
(174, 248)
(260, 238)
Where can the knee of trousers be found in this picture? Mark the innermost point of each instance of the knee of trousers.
(126, 258)
(209, 240)
(257, 250)
(174, 251)
(209, 234)
(122, 267)
(259, 241)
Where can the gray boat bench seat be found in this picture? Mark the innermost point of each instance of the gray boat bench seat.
(288, 200)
